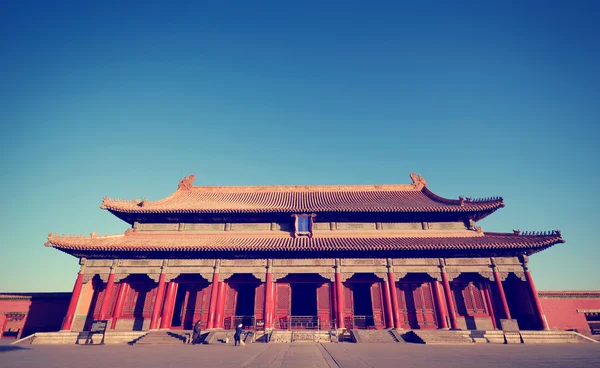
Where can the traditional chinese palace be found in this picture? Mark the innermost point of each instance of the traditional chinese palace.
(305, 257)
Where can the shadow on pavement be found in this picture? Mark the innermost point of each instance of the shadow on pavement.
(5, 348)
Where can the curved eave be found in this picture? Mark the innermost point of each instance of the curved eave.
(489, 243)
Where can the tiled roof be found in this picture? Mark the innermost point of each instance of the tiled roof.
(175, 241)
(414, 197)
(561, 294)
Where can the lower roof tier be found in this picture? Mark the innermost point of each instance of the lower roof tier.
(144, 245)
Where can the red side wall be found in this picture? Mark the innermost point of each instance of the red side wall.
(44, 311)
(562, 314)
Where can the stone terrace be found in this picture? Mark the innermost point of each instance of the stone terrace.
(300, 355)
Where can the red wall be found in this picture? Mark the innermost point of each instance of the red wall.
(45, 311)
(561, 312)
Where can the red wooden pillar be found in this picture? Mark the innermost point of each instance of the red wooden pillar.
(220, 306)
(213, 301)
(339, 291)
(167, 315)
(73, 303)
(107, 294)
(536, 301)
(498, 281)
(488, 300)
(123, 287)
(394, 297)
(389, 319)
(449, 301)
(440, 307)
(269, 300)
(160, 294)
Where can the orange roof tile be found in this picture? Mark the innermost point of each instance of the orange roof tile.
(413, 197)
(284, 242)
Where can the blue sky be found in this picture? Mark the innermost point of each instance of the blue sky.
(481, 98)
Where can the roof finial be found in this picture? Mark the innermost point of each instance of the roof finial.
(186, 182)
(418, 181)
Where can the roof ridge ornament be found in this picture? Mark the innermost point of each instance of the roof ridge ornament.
(418, 181)
(186, 182)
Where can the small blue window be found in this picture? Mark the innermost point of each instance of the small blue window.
(303, 224)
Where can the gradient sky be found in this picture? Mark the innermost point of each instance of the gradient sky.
(482, 98)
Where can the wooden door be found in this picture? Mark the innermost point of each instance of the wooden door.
(283, 305)
(348, 306)
(377, 305)
(402, 307)
(425, 310)
(324, 305)
(259, 301)
(230, 303)
(196, 303)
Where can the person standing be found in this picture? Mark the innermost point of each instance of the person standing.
(196, 334)
(238, 335)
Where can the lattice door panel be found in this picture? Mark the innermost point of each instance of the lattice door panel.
(348, 306)
(284, 304)
(324, 305)
(376, 302)
(259, 301)
(468, 298)
(425, 310)
(402, 308)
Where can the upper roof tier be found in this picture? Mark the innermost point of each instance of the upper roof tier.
(399, 198)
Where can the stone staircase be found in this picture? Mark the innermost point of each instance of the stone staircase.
(160, 338)
(439, 337)
(376, 336)
(283, 336)
(553, 337)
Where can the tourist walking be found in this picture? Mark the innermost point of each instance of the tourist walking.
(238, 335)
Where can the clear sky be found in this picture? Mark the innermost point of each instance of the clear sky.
(482, 98)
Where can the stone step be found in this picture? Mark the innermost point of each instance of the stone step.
(161, 338)
(440, 337)
(374, 336)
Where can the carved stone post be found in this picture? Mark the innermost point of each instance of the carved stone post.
(448, 293)
(74, 299)
(339, 290)
(160, 295)
(108, 293)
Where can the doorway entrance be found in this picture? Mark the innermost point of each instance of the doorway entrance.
(363, 306)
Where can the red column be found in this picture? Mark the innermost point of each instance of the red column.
(219, 310)
(269, 302)
(167, 315)
(498, 281)
(107, 294)
(73, 304)
(213, 301)
(123, 287)
(389, 319)
(449, 302)
(394, 297)
(440, 307)
(160, 294)
(488, 300)
(536, 301)
(340, 300)
(334, 302)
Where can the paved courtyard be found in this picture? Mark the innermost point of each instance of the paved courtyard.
(300, 355)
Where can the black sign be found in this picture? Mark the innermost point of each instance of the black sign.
(260, 324)
(98, 326)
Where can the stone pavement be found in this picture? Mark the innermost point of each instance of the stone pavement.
(300, 355)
